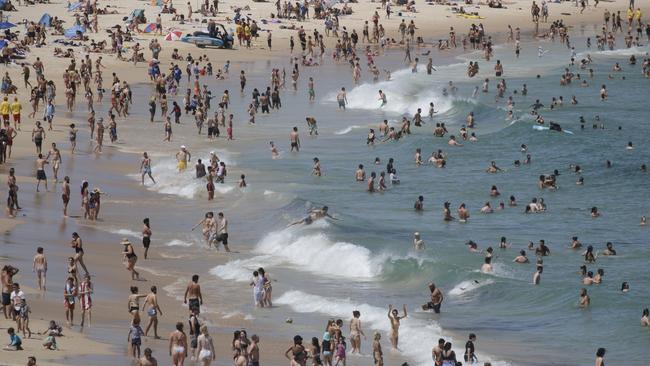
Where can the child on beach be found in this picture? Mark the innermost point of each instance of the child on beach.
(134, 336)
(15, 343)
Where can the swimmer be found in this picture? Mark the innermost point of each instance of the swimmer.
(537, 277)
(274, 150)
(521, 258)
(487, 265)
(314, 215)
(418, 243)
(382, 98)
(493, 168)
(609, 250)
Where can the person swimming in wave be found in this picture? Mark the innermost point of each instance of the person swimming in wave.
(314, 215)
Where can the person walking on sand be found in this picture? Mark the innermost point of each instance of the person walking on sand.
(205, 348)
(193, 294)
(131, 258)
(39, 266)
(69, 300)
(145, 169)
(85, 292)
(154, 310)
(146, 236)
(178, 345)
(76, 244)
(40, 172)
(356, 332)
(65, 195)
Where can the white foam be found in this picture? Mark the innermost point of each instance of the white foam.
(179, 243)
(313, 252)
(417, 336)
(125, 232)
(184, 184)
(346, 130)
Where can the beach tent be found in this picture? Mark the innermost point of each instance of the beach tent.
(74, 6)
(72, 31)
(6, 25)
(46, 20)
(137, 13)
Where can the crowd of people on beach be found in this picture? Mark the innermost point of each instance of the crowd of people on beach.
(85, 76)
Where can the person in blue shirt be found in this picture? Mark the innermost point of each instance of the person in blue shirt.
(15, 343)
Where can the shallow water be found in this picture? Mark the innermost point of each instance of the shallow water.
(364, 261)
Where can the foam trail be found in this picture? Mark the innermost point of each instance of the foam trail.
(346, 130)
(183, 184)
(178, 243)
(125, 232)
(417, 336)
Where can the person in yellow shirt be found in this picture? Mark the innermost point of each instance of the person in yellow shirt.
(5, 107)
(239, 30)
(247, 35)
(630, 16)
(638, 16)
(16, 108)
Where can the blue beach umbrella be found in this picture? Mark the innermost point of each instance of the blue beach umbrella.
(6, 25)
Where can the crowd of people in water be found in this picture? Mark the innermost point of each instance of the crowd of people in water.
(87, 78)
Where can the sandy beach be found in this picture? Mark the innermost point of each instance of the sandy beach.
(127, 202)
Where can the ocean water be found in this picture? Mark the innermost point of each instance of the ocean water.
(365, 259)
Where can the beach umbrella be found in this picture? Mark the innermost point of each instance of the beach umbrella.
(173, 36)
(151, 27)
(6, 25)
(3, 44)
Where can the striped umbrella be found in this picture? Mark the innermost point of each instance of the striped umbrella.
(173, 36)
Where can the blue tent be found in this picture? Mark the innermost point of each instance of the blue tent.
(74, 6)
(46, 20)
(72, 31)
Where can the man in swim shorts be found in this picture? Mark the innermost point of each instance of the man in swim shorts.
(183, 156)
(193, 294)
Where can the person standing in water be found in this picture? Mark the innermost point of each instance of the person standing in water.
(295, 140)
(154, 310)
(182, 157)
(146, 236)
(145, 168)
(356, 332)
(393, 316)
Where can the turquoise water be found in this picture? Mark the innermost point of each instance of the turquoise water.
(365, 259)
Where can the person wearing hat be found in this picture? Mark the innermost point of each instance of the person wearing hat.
(183, 156)
(418, 243)
(131, 258)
